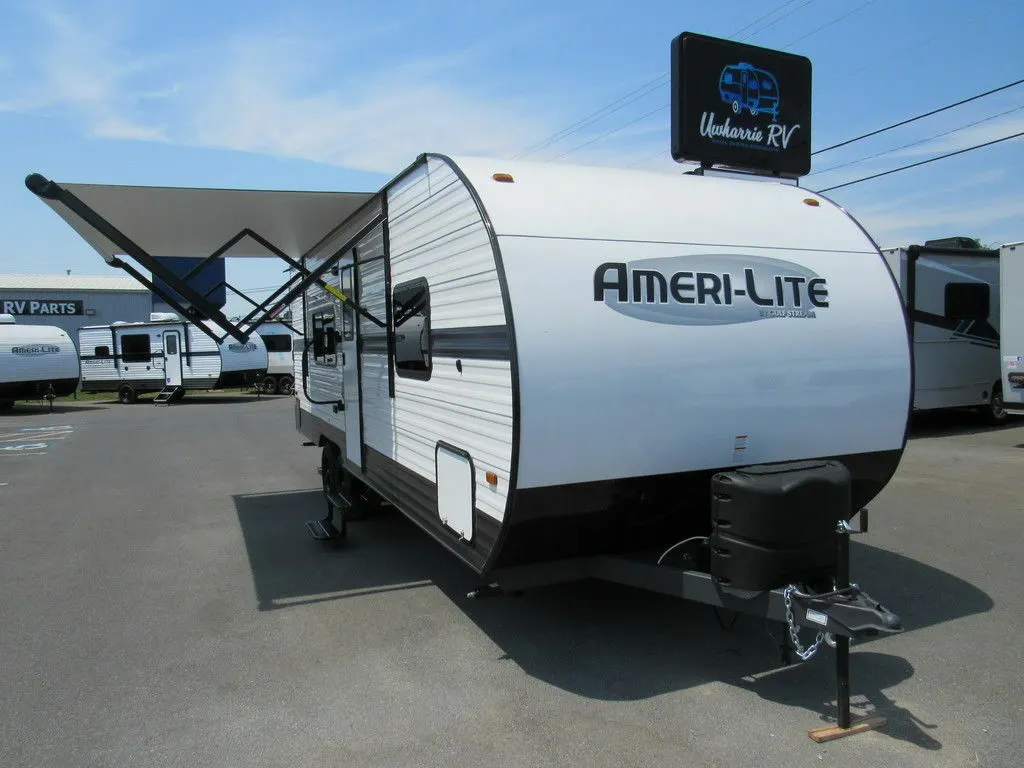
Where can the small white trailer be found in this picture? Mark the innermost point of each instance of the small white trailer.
(1011, 326)
(36, 362)
(279, 340)
(166, 355)
(951, 289)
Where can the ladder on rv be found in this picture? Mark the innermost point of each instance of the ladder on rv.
(169, 394)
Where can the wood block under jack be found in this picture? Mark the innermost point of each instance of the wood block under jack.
(859, 725)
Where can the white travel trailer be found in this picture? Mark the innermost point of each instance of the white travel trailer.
(165, 355)
(951, 288)
(564, 372)
(1011, 326)
(36, 362)
(278, 339)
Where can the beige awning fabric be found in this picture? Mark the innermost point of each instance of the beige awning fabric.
(195, 222)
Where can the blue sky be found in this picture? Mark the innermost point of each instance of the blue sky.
(341, 96)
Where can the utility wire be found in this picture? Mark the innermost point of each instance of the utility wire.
(830, 23)
(609, 133)
(923, 162)
(916, 143)
(919, 117)
(636, 94)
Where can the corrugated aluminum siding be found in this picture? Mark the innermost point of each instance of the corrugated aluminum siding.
(110, 306)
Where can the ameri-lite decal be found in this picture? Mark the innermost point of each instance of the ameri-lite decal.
(711, 289)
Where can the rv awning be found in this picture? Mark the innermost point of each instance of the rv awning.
(195, 222)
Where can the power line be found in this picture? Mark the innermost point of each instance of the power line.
(766, 26)
(647, 88)
(922, 162)
(830, 23)
(916, 143)
(919, 117)
(609, 133)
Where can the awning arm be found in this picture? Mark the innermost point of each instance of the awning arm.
(50, 190)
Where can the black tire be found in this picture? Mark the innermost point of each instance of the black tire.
(267, 385)
(127, 394)
(285, 385)
(995, 411)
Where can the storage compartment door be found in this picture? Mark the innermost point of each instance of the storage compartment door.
(455, 494)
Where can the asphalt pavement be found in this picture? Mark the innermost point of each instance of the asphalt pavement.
(163, 605)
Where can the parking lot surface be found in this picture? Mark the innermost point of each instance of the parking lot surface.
(163, 605)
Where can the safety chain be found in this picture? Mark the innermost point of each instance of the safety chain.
(804, 654)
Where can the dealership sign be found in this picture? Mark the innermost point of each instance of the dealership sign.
(740, 105)
(41, 307)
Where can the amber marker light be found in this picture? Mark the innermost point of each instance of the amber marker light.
(492, 478)
(811, 201)
(505, 177)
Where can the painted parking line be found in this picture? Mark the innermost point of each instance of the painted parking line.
(23, 449)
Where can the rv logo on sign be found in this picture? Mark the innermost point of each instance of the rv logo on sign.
(712, 289)
(36, 350)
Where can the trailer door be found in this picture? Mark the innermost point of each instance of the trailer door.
(350, 370)
(172, 358)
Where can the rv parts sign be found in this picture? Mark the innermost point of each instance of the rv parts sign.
(712, 289)
(740, 105)
(41, 307)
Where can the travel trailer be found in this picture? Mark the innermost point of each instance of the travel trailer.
(951, 289)
(278, 339)
(36, 362)
(165, 355)
(1011, 326)
(563, 372)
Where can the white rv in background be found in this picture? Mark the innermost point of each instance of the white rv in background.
(951, 290)
(36, 361)
(1011, 325)
(166, 355)
(279, 341)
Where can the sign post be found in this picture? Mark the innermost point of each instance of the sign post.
(740, 106)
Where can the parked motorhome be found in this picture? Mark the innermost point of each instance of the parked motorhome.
(1011, 326)
(278, 339)
(165, 355)
(36, 361)
(951, 288)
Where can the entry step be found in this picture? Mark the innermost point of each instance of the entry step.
(323, 530)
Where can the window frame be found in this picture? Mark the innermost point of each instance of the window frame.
(136, 357)
(960, 301)
(422, 374)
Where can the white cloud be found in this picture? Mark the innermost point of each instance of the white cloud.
(968, 137)
(910, 225)
(265, 93)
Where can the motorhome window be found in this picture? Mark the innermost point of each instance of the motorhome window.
(102, 351)
(325, 339)
(171, 344)
(411, 302)
(135, 348)
(278, 342)
(967, 301)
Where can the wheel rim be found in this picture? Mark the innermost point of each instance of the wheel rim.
(285, 386)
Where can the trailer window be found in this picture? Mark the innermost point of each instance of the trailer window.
(102, 351)
(135, 348)
(278, 342)
(325, 339)
(967, 301)
(411, 302)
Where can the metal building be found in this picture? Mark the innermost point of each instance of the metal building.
(71, 301)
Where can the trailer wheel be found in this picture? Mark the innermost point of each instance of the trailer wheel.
(127, 394)
(267, 385)
(995, 412)
(285, 385)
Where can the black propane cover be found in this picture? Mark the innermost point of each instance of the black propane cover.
(775, 524)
